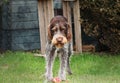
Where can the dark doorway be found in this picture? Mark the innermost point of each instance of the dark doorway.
(58, 10)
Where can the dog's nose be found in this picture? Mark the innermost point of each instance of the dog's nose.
(59, 39)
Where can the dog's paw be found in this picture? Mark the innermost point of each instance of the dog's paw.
(49, 77)
(62, 78)
(70, 73)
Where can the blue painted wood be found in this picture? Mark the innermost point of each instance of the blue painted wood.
(22, 17)
(25, 39)
(25, 25)
(24, 2)
(19, 39)
(24, 8)
(25, 46)
(20, 25)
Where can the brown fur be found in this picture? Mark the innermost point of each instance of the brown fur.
(61, 21)
(59, 43)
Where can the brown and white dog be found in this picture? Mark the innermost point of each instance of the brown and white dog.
(59, 41)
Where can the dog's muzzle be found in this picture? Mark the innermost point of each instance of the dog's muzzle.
(59, 40)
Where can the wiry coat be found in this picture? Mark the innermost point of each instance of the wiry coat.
(59, 42)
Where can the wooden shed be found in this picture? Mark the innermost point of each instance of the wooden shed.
(25, 22)
(46, 11)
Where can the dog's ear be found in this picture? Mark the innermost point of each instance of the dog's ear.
(69, 33)
(49, 33)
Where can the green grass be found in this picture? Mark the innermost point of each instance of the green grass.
(23, 67)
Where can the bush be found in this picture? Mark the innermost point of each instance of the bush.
(3, 1)
(101, 19)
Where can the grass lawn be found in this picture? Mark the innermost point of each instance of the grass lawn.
(23, 67)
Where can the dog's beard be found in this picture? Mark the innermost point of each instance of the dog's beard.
(59, 44)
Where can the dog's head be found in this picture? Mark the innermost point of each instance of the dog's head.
(59, 32)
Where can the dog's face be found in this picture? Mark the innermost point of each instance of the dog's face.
(59, 31)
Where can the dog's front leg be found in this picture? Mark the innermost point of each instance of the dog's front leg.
(63, 64)
(49, 63)
(70, 52)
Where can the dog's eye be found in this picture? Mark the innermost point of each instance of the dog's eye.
(62, 29)
(54, 29)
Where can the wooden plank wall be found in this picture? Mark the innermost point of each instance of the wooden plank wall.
(20, 25)
(76, 14)
(46, 12)
(67, 11)
(78, 38)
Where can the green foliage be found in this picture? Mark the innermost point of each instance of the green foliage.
(23, 67)
(3, 1)
(101, 19)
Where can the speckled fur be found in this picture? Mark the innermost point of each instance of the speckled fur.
(64, 54)
(58, 28)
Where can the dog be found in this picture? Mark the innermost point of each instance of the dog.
(59, 42)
